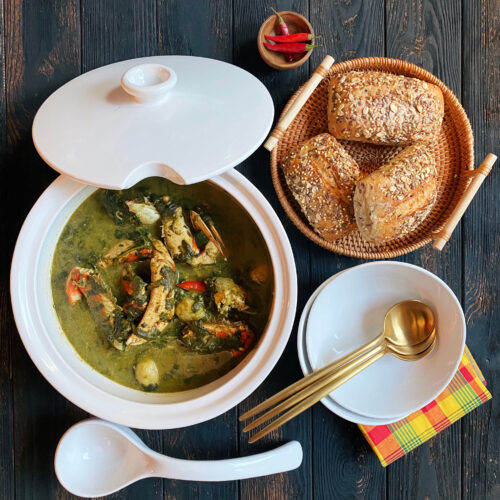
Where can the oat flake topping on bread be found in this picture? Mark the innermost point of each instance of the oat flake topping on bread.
(395, 199)
(321, 176)
(383, 108)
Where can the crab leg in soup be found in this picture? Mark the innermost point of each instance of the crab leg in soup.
(107, 314)
(161, 306)
(162, 287)
(136, 291)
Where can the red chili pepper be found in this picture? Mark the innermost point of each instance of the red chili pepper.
(284, 31)
(290, 48)
(295, 37)
(283, 26)
(197, 286)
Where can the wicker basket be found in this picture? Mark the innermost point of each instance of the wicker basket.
(454, 153)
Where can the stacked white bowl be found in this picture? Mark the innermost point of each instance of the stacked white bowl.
(347, 311)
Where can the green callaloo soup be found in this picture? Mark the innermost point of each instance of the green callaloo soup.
(162, 287)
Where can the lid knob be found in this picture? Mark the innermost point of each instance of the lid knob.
(149, 83)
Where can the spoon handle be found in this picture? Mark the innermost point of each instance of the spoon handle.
(312, 388)
(284, 458)
(312, 377)
(377, 353)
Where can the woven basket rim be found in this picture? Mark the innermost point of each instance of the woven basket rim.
(461, 122)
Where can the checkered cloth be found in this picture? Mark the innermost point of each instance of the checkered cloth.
(466, 391)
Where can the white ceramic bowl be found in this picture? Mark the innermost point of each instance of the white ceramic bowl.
(306, 367)
(350, 311)
(56, 359)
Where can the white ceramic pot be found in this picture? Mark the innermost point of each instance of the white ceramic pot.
(59, 363)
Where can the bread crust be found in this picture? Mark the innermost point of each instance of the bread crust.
(382, 108)
(395, 199)
(322, 176)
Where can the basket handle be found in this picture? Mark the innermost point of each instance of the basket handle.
(301, 99)
(478, 175)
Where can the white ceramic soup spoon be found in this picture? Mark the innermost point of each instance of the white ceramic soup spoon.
(96, 458)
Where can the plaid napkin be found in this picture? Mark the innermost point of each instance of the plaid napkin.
(466, 391)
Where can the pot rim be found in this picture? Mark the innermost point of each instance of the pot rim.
(28, 270)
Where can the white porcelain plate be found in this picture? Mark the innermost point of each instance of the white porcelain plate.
(211, 118)
(349, 312)
(307, 368)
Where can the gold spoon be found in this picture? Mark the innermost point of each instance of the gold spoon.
(336, 378)
(414, 312)
(409, 333)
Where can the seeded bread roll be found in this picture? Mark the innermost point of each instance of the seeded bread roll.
(322, 176)
(382, 108)
(392, 201)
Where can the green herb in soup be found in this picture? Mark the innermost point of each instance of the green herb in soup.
(162, 287)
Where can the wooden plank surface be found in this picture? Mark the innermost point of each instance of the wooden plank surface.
(41, 53)
(117, 29)
(428, 33)
(201, 29)
(44, 44)
(110, 32)
(481, 243)
(343, 464)
(6, 325)
(248, 17)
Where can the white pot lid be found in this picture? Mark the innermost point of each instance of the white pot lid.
(180, 117)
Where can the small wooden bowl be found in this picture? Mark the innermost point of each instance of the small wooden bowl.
(296, 24)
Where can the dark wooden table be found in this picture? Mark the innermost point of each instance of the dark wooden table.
(44, 44)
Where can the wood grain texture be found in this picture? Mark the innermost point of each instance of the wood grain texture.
(481, 234)
(428, 34)
(248, 16)
(42, 53)
(6, 326)
(343, 464)
(348, 29)
(190, 27)
(200, 29)
(3, 135)
(115, 30)
(44, 44)
(7, 444)
(213, 440)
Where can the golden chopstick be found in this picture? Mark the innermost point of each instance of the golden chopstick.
(314, 398)
(308, 379)
(314, 387)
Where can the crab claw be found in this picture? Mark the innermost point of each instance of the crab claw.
(206, 337)
(136, 292)
(178, 237)
(125, 251)
(106, 313)
(144, 210)
(246, 340)
(210, 232)
(161, 306)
